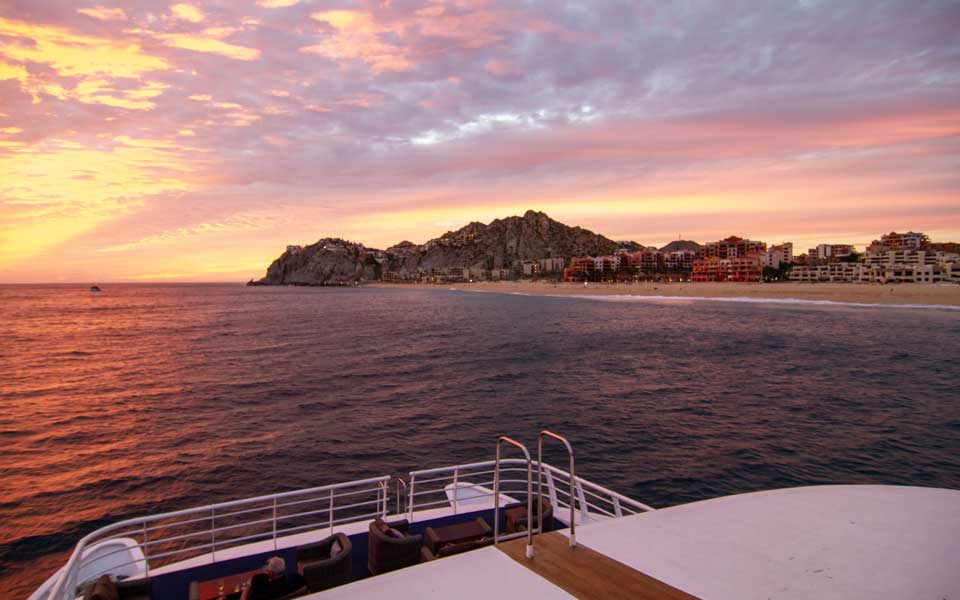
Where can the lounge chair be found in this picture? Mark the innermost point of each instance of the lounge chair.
(323, 570)
(128, 589)
(390, 550)
(426, 555)
(516, 515)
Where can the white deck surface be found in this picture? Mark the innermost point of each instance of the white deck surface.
(821, 542)
(482, 574)
(814, 542)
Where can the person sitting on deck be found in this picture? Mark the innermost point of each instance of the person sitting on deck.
(273, 583)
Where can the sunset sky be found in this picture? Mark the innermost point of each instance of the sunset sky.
(193, 141)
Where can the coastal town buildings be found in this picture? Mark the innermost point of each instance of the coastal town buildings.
(552, 265)
(830, 251)
(894, 258)
(730, 247)
(899, 241)
(737, 269)
(892, 266)
(679, 260)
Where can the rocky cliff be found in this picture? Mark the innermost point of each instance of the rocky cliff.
(499, 245)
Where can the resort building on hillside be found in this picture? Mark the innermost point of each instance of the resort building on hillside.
(679, 260)
(552, 265)
(894, 266)
(899, 241)
(739, 268)
(830, 251)
(772, 258)
(731, 247)
(786, 251)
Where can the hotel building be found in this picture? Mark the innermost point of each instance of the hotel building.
(738, 268)
(730, 247)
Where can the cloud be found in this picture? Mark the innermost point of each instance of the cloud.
(276, 3)
(634, 119)
(187, 12)
(103, 13)
(209, 40)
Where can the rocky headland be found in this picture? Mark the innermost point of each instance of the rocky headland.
(501, 244)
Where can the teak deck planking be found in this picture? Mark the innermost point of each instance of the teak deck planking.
(586, 573)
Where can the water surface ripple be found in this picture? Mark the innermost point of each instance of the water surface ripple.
(150, 398)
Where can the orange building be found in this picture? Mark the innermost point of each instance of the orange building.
(738, 268)
(731, 247)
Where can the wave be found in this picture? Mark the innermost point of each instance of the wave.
(733, 299)
(745, 299)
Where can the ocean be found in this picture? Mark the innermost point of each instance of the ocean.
(148, 398)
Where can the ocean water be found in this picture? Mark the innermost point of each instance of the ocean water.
(149, 398)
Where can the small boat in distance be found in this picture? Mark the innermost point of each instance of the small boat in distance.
(94, 288)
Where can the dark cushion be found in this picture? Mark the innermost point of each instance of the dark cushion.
(102, 589)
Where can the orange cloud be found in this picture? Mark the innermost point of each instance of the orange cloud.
(97, 62)
(210, 40)
(186, 12)
(59, 189)
(276, 3)
(103, 13)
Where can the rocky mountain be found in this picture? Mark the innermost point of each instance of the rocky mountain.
(498, 245)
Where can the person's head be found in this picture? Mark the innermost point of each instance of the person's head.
(276, 567)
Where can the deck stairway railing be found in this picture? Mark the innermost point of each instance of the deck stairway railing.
(215, 529)
(570, 477)
(431, 488)
(496, 494)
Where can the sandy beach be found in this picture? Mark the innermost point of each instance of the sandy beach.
(909, 293)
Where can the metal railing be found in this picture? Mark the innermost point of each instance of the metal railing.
(496, 494)
(433, 488)
(173, 537)
(570, 475)
(180, 535)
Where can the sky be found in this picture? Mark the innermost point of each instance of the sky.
(173, 141)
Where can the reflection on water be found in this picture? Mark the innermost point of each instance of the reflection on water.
(147, 398)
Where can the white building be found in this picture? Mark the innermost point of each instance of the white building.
(552, 265)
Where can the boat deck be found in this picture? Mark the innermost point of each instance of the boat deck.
(830, 542)
(587, 574)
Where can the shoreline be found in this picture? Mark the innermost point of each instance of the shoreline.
(904, 294)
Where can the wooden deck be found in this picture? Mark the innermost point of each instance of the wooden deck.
(586, 573)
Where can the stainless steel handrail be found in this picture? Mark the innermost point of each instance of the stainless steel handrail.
(571, 476)
(400, 482)
(496, 494)
(65, 584)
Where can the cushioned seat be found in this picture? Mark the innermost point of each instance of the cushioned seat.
(105, 588)
(390, 546)
(427, 555)
(324, 564)
(516, 519)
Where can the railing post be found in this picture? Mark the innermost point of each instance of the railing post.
(496, 494)
(584, 510)
(384, 506)
(552, 490)
(413, 479)
(213, 535)
(571, 474)
(330, 511)
(400, 482)
(617, 509)
(274, 523)
(146, 552)
(456, 477)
